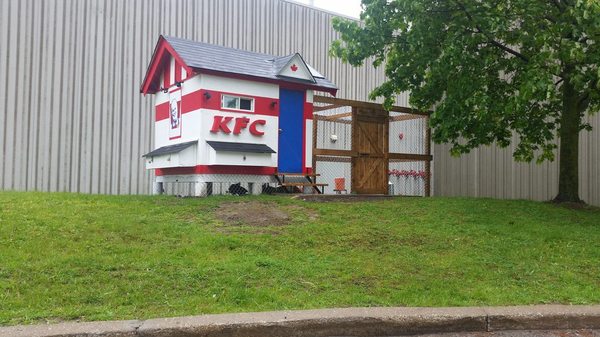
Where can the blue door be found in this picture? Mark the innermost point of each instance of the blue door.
(291, 130)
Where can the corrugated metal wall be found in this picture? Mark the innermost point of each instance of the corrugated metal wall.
(72, 117)
(491, 172)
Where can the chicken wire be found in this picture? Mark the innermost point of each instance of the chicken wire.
(407, 135)
(333, 134)
(407, 178)
(230, 184)
(331, 168)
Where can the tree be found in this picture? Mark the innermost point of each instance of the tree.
(488, 69)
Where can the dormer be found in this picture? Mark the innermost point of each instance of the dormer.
(295, 67)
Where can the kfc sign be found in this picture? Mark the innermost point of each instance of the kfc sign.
(222, 124)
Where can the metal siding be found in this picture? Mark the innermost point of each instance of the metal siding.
(492, 172)
(72, 118)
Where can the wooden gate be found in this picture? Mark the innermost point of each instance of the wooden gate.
(370, 137)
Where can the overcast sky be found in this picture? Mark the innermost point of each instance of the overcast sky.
(346, 7)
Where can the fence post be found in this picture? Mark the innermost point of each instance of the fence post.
(428, 162)
(314, 147)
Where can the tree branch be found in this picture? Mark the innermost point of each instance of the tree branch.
(509, 50)
(489, 38)
(557, 4)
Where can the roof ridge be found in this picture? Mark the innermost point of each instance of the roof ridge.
(212, 45)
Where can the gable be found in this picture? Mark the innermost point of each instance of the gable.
(296, 68)
(166, 69)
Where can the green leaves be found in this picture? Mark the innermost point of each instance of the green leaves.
(487, 70)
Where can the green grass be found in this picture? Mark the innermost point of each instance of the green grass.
(69, 256)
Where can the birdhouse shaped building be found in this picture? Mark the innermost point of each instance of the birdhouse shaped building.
(225, 115)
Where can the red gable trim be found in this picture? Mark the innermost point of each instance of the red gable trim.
(178, 71)
(151, 83)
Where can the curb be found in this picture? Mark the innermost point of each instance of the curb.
(332, 322)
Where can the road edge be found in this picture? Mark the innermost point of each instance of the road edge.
(332, 322)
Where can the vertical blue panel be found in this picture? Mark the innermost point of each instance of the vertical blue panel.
(291, 130)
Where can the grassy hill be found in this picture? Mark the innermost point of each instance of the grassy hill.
(69, 256)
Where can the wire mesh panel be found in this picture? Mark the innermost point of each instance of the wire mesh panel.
(334, 128)
(409, 165)
(333, 131)
(179, 189)
(335, 172)
(407, 133)
(225, 184)
(407, 178)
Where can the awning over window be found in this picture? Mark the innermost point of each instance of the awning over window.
(169, 149)
(240, 147)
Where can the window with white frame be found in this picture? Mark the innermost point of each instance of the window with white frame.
(237, 103)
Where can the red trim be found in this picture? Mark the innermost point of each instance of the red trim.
(167, 75)
(196, 100)
(177, 71)
(216, 169)
(262, 105)
(162, 111)
(282, 84)
(308, 110)
(304, 133)
(151, 83)
(308, 115)
(176, 56)
(192, 101)
(152, 69)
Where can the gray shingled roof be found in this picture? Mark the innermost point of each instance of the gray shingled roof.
(240, 147)
(170, 149)
(206, 56)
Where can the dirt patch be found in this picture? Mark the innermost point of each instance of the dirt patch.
(258, 217)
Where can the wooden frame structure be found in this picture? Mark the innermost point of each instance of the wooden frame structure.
(370, 155)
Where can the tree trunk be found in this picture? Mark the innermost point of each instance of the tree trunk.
(568, 179)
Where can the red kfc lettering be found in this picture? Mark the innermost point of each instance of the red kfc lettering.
(240, 123)
(220, 123)
(254, 130)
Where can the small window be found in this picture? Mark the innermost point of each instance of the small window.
(246, 104)
(237, 103)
